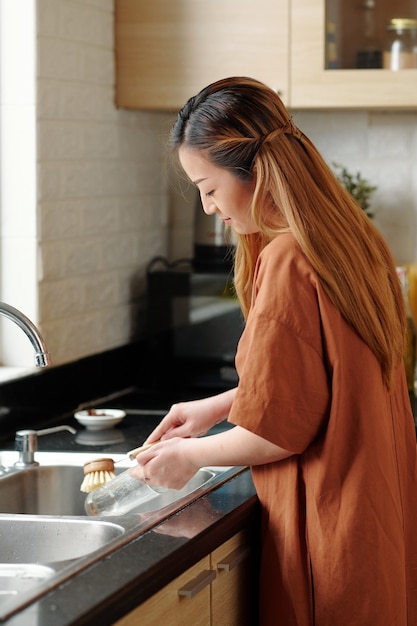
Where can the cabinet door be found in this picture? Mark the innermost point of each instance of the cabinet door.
(235, 589)
(167, 50)
(186, 600)
(313, 86)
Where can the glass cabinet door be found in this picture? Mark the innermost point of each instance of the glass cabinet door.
(354, 54)
(371, 34)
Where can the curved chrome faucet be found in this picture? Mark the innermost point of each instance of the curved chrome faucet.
(42, 357)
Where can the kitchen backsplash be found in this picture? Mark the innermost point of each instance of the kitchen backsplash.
(383, 147)
(106, 205)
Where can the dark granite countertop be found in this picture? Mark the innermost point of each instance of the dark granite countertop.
(115, 585)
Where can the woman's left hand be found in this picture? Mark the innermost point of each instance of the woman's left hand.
(167, 463)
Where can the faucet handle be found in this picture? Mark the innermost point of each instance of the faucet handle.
(26, 443)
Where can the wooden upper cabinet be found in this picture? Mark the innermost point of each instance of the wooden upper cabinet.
(314, 86)
(167, 50)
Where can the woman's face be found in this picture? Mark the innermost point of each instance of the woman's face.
(221, 192)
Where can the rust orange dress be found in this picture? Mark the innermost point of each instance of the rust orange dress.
(340, 515)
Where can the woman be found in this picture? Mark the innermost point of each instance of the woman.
(321, 411)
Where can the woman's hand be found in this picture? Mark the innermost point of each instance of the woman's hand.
(167, 464)
(193, 418)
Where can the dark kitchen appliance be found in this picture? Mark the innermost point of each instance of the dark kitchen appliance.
(195, 321)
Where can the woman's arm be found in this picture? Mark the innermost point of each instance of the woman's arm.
(173, 462)
(236, 446)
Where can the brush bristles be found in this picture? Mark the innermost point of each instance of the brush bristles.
(93, 480)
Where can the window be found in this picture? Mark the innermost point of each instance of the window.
(18, 237)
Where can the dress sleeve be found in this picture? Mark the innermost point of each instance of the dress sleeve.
(283, 393)
(284, 387)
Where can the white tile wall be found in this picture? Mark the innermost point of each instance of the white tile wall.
(383, 147)
(102, 197)
(102, 200)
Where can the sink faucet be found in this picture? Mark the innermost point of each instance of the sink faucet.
(42, 358)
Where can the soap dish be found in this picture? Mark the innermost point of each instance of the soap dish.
(101, 419)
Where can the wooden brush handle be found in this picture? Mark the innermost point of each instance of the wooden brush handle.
(132, 454)
(99, 465)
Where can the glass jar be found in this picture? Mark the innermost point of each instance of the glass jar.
(400, 51)
(368, 55)
(119, 496)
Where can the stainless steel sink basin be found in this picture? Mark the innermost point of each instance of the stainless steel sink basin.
(43, 491)
(17, 580)
(54, 489)
(48, 540)
(39, 552)
(46, 536)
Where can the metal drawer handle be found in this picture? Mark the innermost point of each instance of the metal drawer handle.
(198, 583)
(233, 559)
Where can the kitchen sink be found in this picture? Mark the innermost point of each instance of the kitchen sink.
(48, 540)
(36, 553)
(46, 536)
(43, 491)
(50, 489)
(19, 579)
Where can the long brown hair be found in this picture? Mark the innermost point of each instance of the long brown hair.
(242, 125)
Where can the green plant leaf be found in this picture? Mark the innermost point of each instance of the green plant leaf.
(358, 187)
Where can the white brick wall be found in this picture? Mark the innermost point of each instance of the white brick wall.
(104, 206)
(102, 201)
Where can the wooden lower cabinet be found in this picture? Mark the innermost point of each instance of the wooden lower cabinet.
(234, 591)
(167, 606)
(219, 590)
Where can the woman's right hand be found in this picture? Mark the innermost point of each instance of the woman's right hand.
(193, 418)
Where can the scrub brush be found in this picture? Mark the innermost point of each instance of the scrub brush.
(98, 472)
